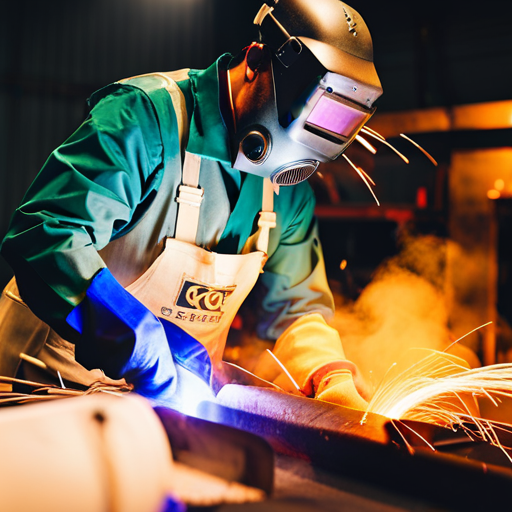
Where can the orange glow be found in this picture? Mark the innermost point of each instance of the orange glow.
(493, 194)
(483, 116)
(343, 264)
(435, 387)
(499, 184)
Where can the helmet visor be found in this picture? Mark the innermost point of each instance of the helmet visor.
(336, 118)
(332, 115)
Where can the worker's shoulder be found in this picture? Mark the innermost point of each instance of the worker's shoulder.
(155, 86)
(150, 82)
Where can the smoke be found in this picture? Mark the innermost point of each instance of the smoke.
(406, 305)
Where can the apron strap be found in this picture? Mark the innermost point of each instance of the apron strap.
(267, 220)
(190, 197)
(259, 240)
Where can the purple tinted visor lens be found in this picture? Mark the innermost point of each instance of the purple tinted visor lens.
(338, 116)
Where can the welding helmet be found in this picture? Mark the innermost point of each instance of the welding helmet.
(301, 94)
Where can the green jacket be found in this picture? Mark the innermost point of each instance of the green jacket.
(97, 185)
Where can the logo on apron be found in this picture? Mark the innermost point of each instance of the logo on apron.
(205, 302)
(203, 297)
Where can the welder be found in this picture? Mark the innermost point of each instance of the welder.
(145, 231)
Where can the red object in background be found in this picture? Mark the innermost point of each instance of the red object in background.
(237, 323)
(421, 197)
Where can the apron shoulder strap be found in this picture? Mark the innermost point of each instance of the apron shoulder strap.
(267, 221)
(190, 196)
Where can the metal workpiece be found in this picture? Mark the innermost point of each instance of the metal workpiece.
(222, 451)
(432, 464)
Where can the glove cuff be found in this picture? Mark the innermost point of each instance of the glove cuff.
(315, 378)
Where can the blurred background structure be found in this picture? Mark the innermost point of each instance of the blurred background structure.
(447, 78)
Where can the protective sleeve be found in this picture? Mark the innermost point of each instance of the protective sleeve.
(294, 281)
(313, 355)
(91, 189)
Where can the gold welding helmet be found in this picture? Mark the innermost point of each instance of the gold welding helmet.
(301, 94)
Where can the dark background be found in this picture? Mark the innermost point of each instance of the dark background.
(55, 53)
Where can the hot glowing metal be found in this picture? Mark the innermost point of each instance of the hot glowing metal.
(440, 389)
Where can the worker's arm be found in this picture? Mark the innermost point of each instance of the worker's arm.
(87, 193)
(294, 281)
(91, 189)
(295, 308)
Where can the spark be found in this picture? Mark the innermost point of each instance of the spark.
(40, 364)
(375, 134)
(288, 374)
(362, 176)
(33, 360)
(409, 447)
(426, 153)
(467, 334)
(366, 144)
(366, 175)
(60, 379)
(380, 138)
(420, 436)
(436, 390)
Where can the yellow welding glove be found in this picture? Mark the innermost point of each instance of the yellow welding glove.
(312, 353)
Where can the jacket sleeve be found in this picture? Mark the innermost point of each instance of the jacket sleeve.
(296, 305)
(294, 282)
(90, 189)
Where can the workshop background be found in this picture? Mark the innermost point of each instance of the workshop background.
(446, 71)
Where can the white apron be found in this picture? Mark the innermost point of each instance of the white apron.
(199, 290)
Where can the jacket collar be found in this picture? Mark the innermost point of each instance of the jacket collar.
(208, 134)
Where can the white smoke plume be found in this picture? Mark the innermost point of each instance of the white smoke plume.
(406, 305)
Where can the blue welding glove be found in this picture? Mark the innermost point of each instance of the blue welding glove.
(123, 338)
